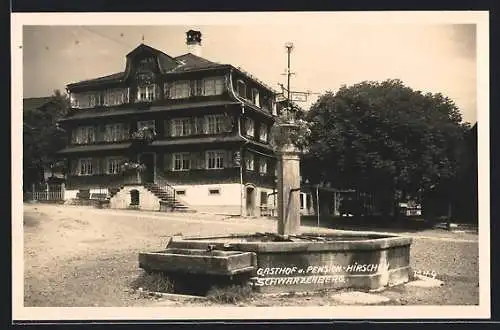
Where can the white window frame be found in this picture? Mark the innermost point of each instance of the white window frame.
(250, 161)
(263, 135)
(180, 89)
(181, 127)
(149, 92)
(250, 127)
(113, 165)
(218, 157)
(89, 166)
(217, 126)
(183, 158)
(263, 166)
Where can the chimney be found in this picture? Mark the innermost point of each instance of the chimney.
(193, 42)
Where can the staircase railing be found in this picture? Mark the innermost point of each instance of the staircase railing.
(165, 186)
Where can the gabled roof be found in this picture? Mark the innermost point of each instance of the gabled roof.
(35, 103)
(186, 63)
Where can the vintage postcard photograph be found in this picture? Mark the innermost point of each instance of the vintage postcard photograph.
(285, 165)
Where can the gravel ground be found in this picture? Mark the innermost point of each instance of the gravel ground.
(84, 257)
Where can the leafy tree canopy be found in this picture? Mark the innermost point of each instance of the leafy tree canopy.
(384, 136)
(42, 137)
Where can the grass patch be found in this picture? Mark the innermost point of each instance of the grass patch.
(155, 282)
(232, 294)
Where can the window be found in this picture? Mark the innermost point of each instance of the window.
(241, 88)
(215, 124)
(84, 135)
(74, 100)
(180, 90)
(255, 97)
(115, 132)
(263, 198)
(146, 93)
(115, 97)
(85, 166)
(181, 127)
(182, 162)
(94, 100)
(215, 159)
(181, 192)
(263, 132)
(250, 127)
(213, 86)
(214, 191)
(263, 166)
(113, 165)
(249, 161)
(145, 123)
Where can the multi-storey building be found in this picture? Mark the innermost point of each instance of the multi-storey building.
(210, 147)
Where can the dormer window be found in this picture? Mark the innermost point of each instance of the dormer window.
(241, 88)
(146, 93)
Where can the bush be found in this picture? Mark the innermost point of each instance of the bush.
(230, 294)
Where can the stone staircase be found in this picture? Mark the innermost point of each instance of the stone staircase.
(166, 194)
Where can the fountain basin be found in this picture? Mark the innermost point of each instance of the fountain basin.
(315, 261)
(198, 261)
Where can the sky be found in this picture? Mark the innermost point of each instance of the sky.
(427, 57)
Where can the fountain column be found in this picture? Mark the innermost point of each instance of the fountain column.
(288, 185)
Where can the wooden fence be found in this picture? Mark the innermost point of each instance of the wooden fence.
(47, 192)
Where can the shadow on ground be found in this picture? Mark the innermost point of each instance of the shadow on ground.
(404, 224)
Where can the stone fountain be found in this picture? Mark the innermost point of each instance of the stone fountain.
(288, 261)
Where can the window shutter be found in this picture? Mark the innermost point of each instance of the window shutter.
(205, 125)
(167, 161)
(166, 90)
(167, 128)
(74, 166)
(192, 88)
(228, 123)
(199, 87)
(103, 165)
(192, 123)
(96, 166)
(228, 158)
(102, 134)
(157, 91)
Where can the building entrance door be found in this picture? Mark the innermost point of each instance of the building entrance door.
(148, 175)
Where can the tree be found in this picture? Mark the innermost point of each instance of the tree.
(385, 138)
(42, 137)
